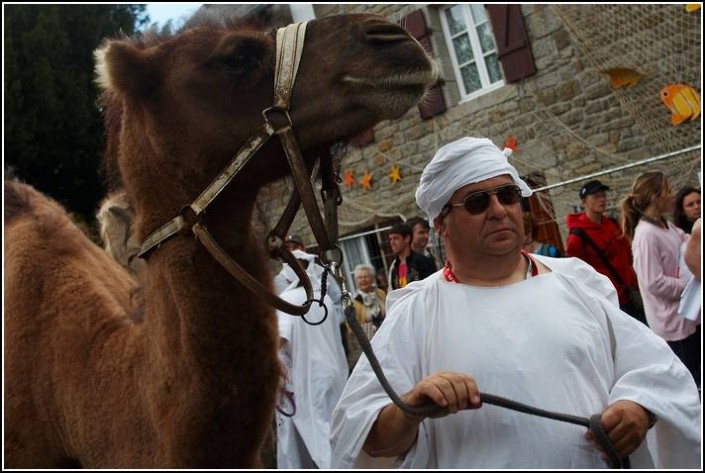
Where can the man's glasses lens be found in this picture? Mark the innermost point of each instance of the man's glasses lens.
(478, 202)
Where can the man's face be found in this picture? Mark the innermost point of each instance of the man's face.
(596, 202)
(419, 238)
(398, 243)
(496, 231)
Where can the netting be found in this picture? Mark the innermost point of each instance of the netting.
(563, 143)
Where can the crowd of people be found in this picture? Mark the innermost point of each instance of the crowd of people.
(600, 329)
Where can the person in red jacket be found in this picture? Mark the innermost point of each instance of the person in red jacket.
(598, 240)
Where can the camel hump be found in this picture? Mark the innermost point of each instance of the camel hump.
(23, 200)
(18, 200)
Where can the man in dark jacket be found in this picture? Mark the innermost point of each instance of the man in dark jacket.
(408, 265)
(594, 237)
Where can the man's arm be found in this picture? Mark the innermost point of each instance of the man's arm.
(394, 432)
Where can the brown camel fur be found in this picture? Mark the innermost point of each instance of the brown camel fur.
(189, 380)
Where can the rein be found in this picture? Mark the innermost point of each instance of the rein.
(289, 47)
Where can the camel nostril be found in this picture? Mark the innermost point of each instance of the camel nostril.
(382, 32)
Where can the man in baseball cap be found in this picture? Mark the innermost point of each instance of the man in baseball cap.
(592, 187)
(598, 240)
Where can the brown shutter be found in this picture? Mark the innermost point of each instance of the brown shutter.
(433, 103)
(513, 47)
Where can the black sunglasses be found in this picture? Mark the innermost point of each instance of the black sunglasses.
(478, 202)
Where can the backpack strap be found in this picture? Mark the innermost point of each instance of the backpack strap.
(586, 239)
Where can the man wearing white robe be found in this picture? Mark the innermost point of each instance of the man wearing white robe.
(545, 332)
(316, 369)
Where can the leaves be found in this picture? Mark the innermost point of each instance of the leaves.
(53, 128)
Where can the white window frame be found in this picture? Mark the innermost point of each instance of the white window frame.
(476, 50)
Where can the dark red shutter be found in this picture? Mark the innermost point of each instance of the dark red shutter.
(433, 103)
(513, 47)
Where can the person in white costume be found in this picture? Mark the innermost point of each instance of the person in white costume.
(316, 368)
(543, 331)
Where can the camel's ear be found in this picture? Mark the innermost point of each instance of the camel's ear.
(123, 68)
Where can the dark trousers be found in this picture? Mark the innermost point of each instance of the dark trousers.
(634, 311)
(688, 350)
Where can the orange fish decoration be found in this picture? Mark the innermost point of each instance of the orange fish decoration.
(683, 101)
(621, 77)
(691, 7)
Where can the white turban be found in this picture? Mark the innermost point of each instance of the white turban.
(455, 165)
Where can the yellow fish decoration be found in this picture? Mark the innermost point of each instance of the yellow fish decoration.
(691, 7)
(683, 101)
(623, 77)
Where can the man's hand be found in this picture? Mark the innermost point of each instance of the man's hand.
(452, 391)
(625, 423)
(394, 432)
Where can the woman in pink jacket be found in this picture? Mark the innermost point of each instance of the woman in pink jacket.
(655, 246)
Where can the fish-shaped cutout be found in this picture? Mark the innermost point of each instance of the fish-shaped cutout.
(691, 7)
(623, 77)
(683, 101)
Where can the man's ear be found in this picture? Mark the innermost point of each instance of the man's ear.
(438, 225)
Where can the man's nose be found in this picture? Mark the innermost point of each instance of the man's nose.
(496, 208)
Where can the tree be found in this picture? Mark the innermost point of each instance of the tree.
(53, 126)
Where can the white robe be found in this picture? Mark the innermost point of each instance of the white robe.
(317, 371)
(555, 341)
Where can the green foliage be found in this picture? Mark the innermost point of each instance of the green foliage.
(53, 127)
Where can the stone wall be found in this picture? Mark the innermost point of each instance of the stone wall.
(566, 118)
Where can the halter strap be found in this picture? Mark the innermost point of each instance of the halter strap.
(289, 48)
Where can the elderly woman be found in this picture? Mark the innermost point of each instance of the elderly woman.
(369, 308)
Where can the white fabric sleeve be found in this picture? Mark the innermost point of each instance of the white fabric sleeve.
(646, 371)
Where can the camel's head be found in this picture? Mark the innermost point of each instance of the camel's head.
(188, 102)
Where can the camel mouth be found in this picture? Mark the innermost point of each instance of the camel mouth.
(398, 80)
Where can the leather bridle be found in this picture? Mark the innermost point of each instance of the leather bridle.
(289, 47)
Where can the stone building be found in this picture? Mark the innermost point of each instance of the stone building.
(577, 87)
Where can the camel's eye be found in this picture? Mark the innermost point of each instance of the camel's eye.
(238, 64)
(238, 56)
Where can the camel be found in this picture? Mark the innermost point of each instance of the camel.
(189, 377)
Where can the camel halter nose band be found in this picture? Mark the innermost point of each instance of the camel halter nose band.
(289, 48)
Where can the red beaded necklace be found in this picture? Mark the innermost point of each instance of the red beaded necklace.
(531, 271)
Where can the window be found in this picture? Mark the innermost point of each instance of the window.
(472, 49)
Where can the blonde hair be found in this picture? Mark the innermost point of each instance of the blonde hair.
(645, 188)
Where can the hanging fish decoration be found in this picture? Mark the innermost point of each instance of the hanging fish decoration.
(683, 101)
(623, 77)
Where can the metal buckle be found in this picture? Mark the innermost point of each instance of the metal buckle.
(277, 117)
